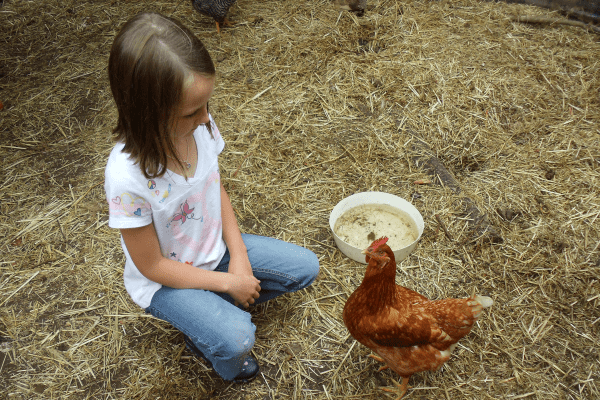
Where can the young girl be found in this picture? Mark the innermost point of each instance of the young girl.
(186, 260)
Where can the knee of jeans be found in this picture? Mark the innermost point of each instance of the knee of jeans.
(312, 268)
(236, 340)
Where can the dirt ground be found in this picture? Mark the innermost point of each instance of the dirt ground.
(314, 105)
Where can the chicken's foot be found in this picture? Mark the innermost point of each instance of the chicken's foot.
(403, 388)
(381, 360)
(225, 22)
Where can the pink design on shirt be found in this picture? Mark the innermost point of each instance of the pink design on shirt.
(211, 224)
(128, 205)
(185, 212)
(216, 132)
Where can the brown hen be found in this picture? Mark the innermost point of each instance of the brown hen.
(409, 332)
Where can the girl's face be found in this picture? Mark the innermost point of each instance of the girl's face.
(193, 109)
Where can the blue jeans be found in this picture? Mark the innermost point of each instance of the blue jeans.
(221, 330)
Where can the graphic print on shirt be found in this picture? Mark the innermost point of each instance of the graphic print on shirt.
(151, 186)
(185, 213)
(129, 205)
(210, 224)
(165, 194)
(216, 132)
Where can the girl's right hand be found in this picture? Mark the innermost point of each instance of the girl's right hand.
(244, 289)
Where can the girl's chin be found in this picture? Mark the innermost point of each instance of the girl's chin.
(184, 137)
(188, 135)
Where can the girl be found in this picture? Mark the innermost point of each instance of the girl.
(186, 260)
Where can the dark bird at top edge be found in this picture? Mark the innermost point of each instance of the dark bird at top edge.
(217, 9)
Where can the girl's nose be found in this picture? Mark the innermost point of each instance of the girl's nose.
(203, 117)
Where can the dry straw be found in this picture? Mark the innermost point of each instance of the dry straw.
(314, 105)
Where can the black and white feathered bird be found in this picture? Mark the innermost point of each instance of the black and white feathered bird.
(217, 9)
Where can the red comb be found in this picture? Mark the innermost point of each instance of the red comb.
(379, 242)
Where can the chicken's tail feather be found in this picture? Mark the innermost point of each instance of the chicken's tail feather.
(478, 303)
(484, 301)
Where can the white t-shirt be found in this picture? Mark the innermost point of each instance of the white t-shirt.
(186, 214)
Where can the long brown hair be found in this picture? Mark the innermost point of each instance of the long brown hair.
(149, 61)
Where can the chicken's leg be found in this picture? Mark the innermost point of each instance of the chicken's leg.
(225, 22)
(403, 388)
(381, 360)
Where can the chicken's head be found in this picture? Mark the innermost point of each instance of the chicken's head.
(377, 252)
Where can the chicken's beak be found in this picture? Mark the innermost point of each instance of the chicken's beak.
(364, 252)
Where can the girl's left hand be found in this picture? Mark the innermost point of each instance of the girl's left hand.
(239, 264)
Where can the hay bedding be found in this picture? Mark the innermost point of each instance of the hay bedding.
(314, 105)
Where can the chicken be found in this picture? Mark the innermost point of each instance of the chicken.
(217, 9)
(409, 332)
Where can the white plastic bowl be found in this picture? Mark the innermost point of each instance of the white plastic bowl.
(364, 198)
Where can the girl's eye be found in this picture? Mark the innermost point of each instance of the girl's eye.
(198, 111)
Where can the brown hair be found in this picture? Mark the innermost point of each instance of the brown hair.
(149, 61)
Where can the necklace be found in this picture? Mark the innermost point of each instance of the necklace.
(187, 164)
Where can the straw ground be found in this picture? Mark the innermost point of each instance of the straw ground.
(314, 105)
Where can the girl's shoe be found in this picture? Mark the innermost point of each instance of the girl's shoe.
(249, 370)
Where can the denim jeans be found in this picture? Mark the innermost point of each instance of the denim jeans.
(221, 330)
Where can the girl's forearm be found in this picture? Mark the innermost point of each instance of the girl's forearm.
(178, 275)
(144, 249)
(232, 234)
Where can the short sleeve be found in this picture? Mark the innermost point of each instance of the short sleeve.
(126, 193)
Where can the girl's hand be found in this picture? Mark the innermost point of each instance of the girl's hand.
(244, 289)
